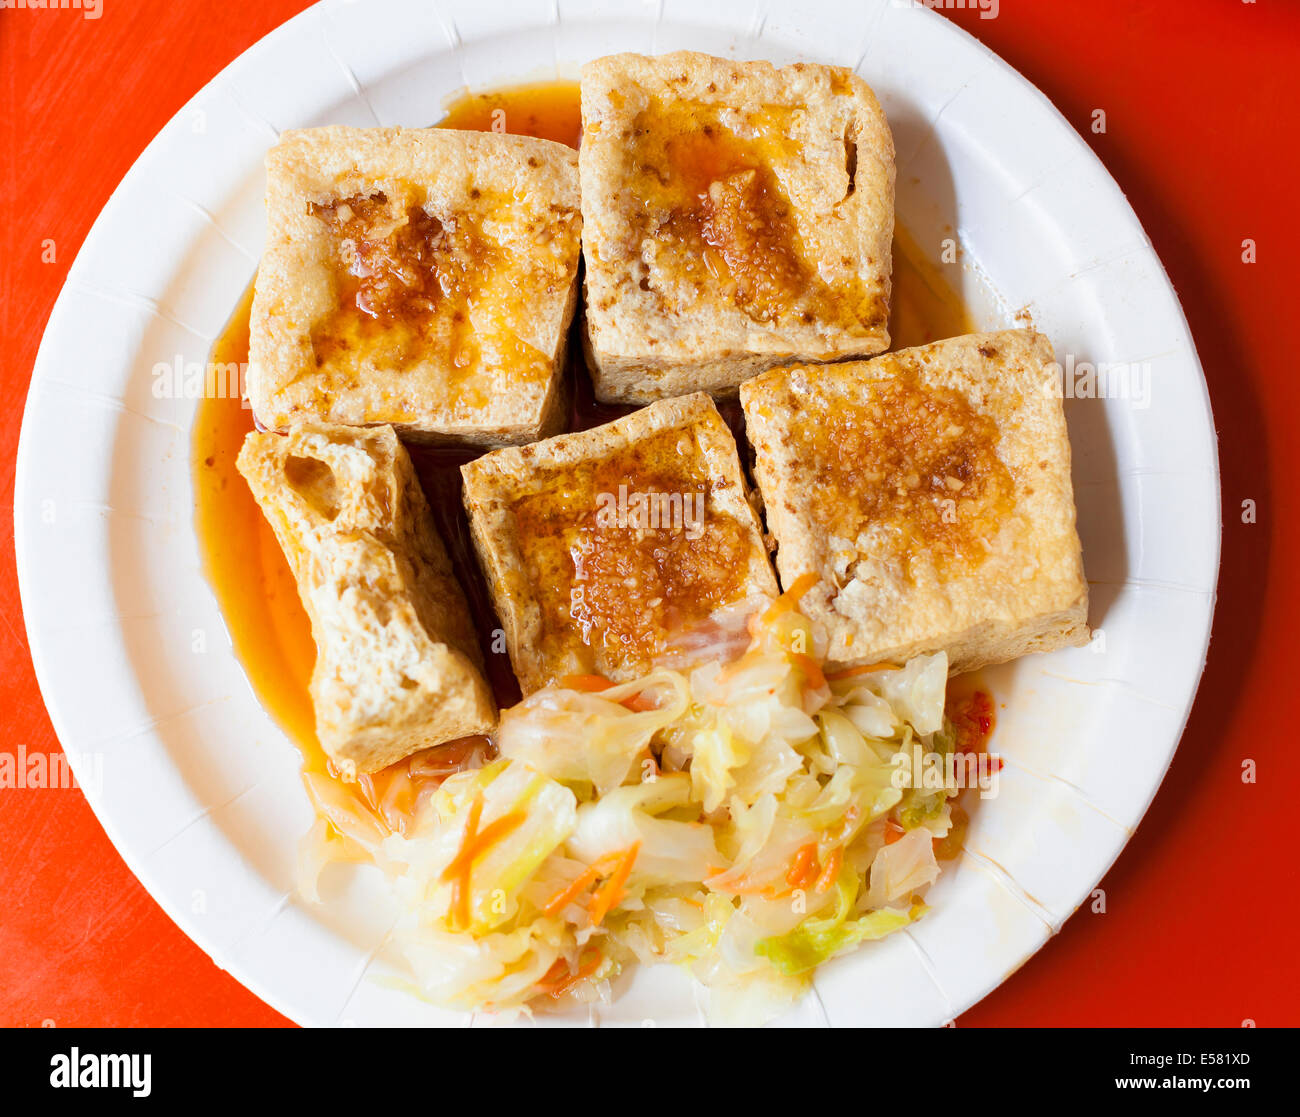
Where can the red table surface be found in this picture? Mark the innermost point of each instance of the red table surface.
(1199, 927)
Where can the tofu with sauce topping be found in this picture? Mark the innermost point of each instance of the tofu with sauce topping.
(423, 278)
(398, 666)
(928, 491)
(736, 216)
(605, 548)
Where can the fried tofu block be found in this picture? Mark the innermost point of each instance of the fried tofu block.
(398, 666)
(602, 548)
(929, 493)
(423, 278)
(736, 216)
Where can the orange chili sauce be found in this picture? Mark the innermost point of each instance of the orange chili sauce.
(248, 573)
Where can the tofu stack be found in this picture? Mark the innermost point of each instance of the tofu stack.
(418, 282)
(735, 222)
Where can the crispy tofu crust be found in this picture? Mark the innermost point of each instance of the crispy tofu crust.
(736, 216)
(929, 492)
(398, 666)
(423, 278)
(601, 548)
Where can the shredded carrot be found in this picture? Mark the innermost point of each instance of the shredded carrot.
(864, 669)
(893, 833)
(460, 909)
(589, 683)
(613, 893)
(617, 866)
(558, 980)
(811, 669)
(741, 888)
(715, 873)
(459, 888)
(495, 832)
(744, 887)
(800, 586)
(846, 825)
(473, 845)
(786, 603)
(594, 684)
(803, 870)
(566, 895)
(832, 870)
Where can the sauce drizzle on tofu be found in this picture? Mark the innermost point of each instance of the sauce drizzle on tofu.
(720, 221)
(409, 283)
(637, 537)
(393, 258)
(922, 466)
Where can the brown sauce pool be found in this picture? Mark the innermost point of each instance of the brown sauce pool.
(250, 577)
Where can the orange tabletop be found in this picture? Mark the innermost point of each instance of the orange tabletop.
(1202, 117)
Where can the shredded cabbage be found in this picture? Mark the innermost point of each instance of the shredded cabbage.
(744, 819)
(815, 940)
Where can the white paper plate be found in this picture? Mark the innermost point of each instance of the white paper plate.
(200, 790)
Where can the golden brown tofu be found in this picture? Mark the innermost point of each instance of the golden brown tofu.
(736, 216)
(398, 667)
(601, 547)
(423, 278)
(929, 492)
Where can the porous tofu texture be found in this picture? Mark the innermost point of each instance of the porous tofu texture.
(423, 278)
(736, 216)
(929, 493)
(614, 548)
(398, 666)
